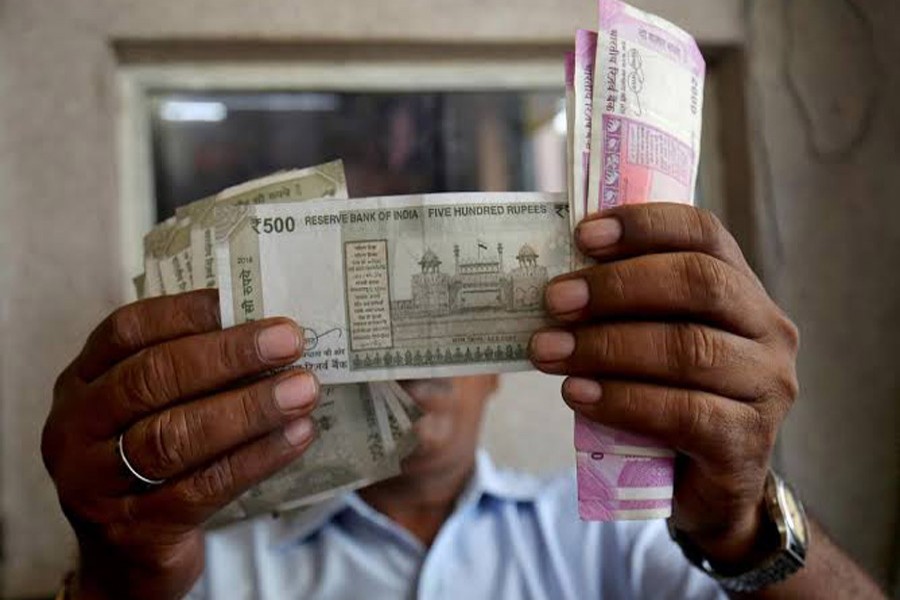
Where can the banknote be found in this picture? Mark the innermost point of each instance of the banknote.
(624, 510)
(594, 437)
(175, 259)
(616, 477)
(410, 405)
(570, 128)
(646, 109)
(349, 452)
(639, 93)
(155, 242)
(351, 416)
(401, 287)
(585, 55)
(321, 181)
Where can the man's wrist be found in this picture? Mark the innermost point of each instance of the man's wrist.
(743, 546)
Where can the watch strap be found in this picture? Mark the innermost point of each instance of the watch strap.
(785, 561)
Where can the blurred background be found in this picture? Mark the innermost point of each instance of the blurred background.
(114, 113)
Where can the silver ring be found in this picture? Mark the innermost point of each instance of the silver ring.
(131, 469)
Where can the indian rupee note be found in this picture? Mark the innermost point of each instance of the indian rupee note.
(644, 146)
(624, 510)
(646, 110)
(594, 437)
(570, 130)
(399, 419)
(155, 242)
(175, 260)
(348, 453)
(585, 55)
(410, 405)
(401, 287)
(615, 477)
(322, 181)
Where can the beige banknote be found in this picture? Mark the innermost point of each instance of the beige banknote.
(350, 452)
(155, 243)
(175, 259)
(321, 181)
(398, 287)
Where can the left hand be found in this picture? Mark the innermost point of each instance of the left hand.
(671, 335)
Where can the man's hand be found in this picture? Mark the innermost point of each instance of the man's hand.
(164, 375)
(671, 335)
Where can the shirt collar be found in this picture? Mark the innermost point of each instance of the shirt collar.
(487, 480)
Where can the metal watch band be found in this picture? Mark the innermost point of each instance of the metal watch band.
(786, 560)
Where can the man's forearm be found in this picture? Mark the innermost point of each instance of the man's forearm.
(829, 573)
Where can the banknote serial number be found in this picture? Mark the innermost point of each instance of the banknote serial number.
(273, 225)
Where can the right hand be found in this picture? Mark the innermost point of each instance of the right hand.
(163, 373)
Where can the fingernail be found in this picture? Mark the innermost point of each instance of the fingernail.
(552, 346)
(278, 342)
(296, 392)
(299, 432)
(567, 296)
(600, 233)
(583, 391)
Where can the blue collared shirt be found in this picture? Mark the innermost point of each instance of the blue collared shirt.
(510, 536)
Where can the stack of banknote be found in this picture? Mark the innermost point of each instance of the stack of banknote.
(364, 429)
(386, 289)
(424, 286)
(634, 92)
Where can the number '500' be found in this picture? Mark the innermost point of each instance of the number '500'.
(275, 225)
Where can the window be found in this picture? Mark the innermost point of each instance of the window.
(391, 143)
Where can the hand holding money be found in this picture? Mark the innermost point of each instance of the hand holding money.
(196, 410)
(671, 336)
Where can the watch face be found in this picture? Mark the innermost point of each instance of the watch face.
(794, 514)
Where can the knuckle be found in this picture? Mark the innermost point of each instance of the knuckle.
(694, 413)
(656, 221)
(712, 232)
(694, 348)
(631, 399)
(599, 343)
(214, 482)
(153, 377)
(707, 281)
(124, 330)
(786, 385)
(166, 444)
(251, 413)
(609, 283)
(199, 309)
(236, 353)
(788, 332)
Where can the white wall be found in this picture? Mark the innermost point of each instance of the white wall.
(825, 99)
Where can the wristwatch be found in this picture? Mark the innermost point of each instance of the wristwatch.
(786, 512)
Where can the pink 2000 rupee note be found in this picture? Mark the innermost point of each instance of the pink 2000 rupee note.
(570, 132)
(615, 477)
(647, 104)
(594, 437)
(624, 510)
(644, 146)
(585, 54)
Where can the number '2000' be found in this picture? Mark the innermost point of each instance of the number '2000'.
(276, 225)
